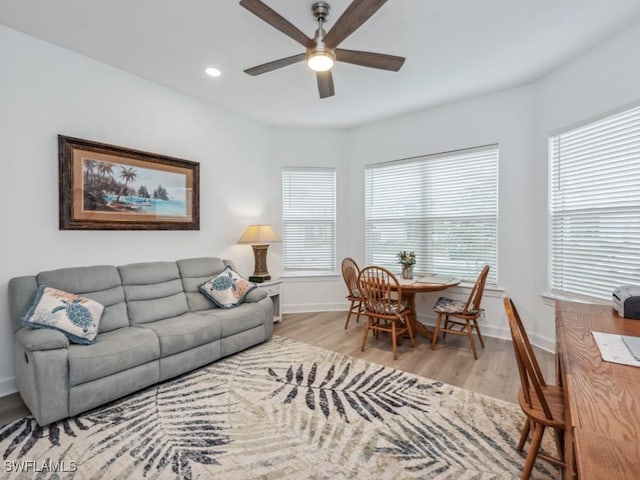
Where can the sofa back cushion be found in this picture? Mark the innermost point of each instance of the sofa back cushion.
(100, 283)
(153, 291)
(196, 271)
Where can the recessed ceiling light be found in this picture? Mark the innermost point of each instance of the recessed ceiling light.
(213, 72)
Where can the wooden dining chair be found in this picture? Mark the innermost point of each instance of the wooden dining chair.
(542, 404)
(465, 314)
(383, 306)
(350, 272)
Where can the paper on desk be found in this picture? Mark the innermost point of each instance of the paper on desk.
(613, 349)
(435, 279)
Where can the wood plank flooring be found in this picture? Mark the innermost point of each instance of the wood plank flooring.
(494, 373)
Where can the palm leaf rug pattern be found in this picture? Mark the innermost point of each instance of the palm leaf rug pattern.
(282, 409)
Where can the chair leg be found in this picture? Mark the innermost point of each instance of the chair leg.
(359, 311)
(394, 339)
(408, 324)
(446, 326)
(366, 334)
(525, 434)
(435, 332)
(536, 438)
(471, 340)
(349, 315)
(478, 331)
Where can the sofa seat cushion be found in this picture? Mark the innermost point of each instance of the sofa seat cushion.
(236, 320)
(113, 352)
(184, 332)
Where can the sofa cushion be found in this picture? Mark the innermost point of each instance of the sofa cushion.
(194, 272)
(184, 332)
(113, 352)
(239, 319)
(153, 291)
(100, 283)
(76, 316)
(227, 289)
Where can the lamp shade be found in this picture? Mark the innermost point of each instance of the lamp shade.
(259, 234)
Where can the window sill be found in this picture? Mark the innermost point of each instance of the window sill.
(489, 291)
(550, 298)
(310, 276)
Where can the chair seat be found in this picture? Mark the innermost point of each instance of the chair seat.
(450, 306)
(385, 308)
(555, 399)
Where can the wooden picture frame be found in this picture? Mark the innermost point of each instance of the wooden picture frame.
(106, 187)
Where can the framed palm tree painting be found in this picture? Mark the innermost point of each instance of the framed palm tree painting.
(106, 187)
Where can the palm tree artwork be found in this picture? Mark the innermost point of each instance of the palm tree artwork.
(128, 175)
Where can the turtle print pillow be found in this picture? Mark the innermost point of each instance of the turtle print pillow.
(75, 316)
(227, 289)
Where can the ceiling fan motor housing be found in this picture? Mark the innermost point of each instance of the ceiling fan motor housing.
(320, 10)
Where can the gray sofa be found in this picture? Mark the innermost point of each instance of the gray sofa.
(156, 325)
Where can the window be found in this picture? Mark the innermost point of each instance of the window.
(594, 190)
(309, 219)
(444, 207)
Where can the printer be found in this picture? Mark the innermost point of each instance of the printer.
(626, 301)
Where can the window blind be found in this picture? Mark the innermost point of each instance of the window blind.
(595, 206)
(444, 207)
(309, 219)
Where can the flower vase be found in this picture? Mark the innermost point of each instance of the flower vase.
(407, 272)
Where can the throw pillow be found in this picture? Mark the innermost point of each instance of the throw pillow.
(227, 289)
(75, 316)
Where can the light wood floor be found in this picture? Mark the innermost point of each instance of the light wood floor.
(494, 373)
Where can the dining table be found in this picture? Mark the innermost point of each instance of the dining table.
(425, 284)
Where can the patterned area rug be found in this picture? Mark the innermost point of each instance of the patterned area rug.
(283, 409)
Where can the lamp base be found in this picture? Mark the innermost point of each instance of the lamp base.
(260, 272)
(259, 278)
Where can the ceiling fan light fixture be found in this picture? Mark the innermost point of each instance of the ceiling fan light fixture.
(320, 60)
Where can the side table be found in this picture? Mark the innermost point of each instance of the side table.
(273, 291)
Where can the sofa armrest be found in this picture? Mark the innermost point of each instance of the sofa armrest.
(256, 295)
(37, 339)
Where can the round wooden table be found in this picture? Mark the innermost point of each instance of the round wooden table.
(409, 291)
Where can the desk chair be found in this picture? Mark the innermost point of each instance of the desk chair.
(465, 313)
(542, 404)
(350, 272)
(383, 306)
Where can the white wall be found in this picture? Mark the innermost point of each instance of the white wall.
(313, 148)
(504, 118)
(519, 120)
(596, 83)
(46, 91)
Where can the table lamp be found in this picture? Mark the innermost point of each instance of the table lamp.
(259, 236)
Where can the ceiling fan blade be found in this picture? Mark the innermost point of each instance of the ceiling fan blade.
(369, 59)
(276, 20)
(355, 15)
(269, 66)
(325, 84)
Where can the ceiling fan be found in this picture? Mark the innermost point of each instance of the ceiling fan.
(321, 50)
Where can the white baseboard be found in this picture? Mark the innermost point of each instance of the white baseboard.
(8, 386)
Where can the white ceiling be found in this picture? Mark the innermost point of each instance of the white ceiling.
(454, 48)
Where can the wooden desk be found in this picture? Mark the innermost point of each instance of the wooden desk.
(409, 291)
(602, 398)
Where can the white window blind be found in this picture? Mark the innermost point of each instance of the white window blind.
(309, 219)
(444, 207)
(595, 206)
